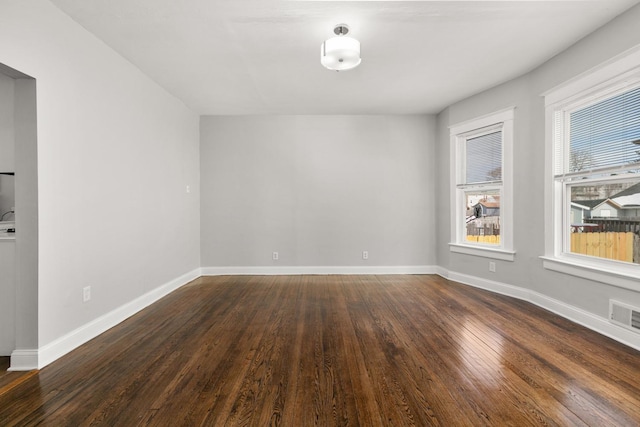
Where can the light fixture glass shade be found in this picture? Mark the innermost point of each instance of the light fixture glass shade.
(340, 53)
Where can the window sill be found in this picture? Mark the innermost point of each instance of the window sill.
(485, 252)
(626, 277)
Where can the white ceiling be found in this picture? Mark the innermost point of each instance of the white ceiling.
(263, 56)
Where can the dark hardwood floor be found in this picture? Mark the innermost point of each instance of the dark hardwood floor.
(335, 350)
(8, 380)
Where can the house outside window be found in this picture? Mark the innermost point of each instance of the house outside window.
(481, 165)
(593, 174)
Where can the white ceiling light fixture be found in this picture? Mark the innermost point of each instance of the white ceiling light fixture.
(340, 53)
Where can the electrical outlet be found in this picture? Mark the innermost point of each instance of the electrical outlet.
(365, 254)
(86, 293)
(275, 256)
(492, 266)
(188, 189)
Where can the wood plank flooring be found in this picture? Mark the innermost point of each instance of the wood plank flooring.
(9, 380)
(335, 351)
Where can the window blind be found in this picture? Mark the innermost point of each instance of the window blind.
(484, 158)
(602, 135)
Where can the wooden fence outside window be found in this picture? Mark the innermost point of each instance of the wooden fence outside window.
(620, 246)
(489, 234)
(613, 238)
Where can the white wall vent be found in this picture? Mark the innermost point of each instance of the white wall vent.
(624, 315)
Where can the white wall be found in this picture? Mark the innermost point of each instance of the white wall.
(318, 189)
(7, 196)
(115, 154)
(7, 297)
(26, 236)
(7, 137)
(587, 297)
(7, 133)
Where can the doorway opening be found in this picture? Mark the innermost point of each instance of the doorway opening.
(18, 217)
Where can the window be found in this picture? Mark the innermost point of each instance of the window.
(481, 186)
(594, 174)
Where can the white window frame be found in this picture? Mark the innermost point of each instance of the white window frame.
(460, 133)
(614, 76)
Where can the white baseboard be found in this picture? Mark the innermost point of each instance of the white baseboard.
(588, 320)
(490, 285)
(292, 270)
(63, 345)
(441, 271)
(24, 360)
(575, 314)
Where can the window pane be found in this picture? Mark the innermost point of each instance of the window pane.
(484, 158)
(483, 217)
(606, 134)
(605, 220)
